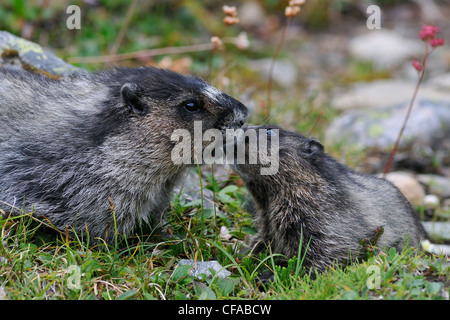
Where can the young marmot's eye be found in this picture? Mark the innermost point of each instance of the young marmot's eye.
(271, 133)
(191, 106)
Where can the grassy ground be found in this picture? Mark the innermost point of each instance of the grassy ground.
(36, 263)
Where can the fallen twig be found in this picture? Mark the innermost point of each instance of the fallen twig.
(142, 54)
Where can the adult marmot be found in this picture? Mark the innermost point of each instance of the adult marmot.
(71, 149)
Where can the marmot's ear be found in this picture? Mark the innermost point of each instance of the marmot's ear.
(132, 95)
(313, 147)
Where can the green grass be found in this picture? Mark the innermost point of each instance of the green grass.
(37, 263)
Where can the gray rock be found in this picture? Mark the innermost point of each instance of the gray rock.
(431, 201)
(410, 187)
(437, 249)
(284, 72)
(437, 185)
(251, 14)
(32, 56)
(191, 187)
(437, 229)
(441, 82)
(203, 267)
(385, 48)
(429, 10)
(427, 127)
(382, 94)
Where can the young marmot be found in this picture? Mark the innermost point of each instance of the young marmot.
(333, 208)
(74, 149)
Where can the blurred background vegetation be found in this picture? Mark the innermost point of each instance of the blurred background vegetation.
(314, 47)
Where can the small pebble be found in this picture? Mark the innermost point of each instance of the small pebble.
(431, 201)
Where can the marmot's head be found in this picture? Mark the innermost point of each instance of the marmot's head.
(277, 160)
(153, 103)
(163, 94)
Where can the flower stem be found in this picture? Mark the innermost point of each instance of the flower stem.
(416, 90)
(266, 112)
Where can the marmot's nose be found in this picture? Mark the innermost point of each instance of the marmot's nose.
(242, 115)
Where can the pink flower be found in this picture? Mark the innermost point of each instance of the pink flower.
(416, 64)
(291, 11)
(436, 42)
(229, 20)
(230, 10)
(217, 42)
(428, 32)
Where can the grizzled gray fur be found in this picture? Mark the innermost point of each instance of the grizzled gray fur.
(332, 206)
(70, 148)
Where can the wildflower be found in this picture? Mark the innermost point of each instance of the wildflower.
(436, 42)
(416, 64)
(242, 41)
(291, 11)
(228, 20)
(229, 11)
(296, 2)
(231, 15)
(428, 32)
(293, 8)
(217, 42)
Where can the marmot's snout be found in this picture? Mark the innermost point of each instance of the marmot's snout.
(236, 116)
(233, 114)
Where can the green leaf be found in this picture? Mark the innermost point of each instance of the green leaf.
(392, 253)
(224, 198)
(433, 287)
(181, 272)
(350, 295)
(214, 186)
(193, 203)
(90, 266)
(204, 292)
(127, 295)
(225, 285)
(180, 296)
(229, 189)
(207, 213)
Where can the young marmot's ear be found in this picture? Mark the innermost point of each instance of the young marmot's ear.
(132, 95)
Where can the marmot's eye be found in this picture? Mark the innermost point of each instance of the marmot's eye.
(191, 106)
(271, 133)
